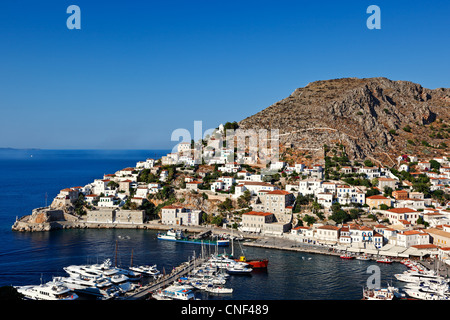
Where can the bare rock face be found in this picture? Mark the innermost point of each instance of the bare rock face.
(367, 116)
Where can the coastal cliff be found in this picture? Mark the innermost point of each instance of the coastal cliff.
(372, 117)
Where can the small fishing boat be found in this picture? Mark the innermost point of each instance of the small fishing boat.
(384, 260)
(347, 256)
(363, 257)
(218, 289)
(389, 293)
(378, 294)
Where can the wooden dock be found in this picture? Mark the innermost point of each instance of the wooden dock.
(163, 281)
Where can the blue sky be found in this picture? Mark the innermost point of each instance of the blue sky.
(138, 70)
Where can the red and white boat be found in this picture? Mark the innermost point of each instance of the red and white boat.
(256, 263)
(384, 260)
(347, 256)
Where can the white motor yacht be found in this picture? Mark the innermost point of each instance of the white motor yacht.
(53, 290)
(100, 287)
(418, 276)
(218, 289)
(146, 270)
(238, 269)
(119, 278)
(424, 295)
(174, 292)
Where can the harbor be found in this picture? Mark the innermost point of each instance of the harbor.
(310, 267)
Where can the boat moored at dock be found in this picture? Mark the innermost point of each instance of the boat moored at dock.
(178, 236)
(174, 292)
(53, 290)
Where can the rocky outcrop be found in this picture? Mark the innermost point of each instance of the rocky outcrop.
(367, 116)
(44, 219)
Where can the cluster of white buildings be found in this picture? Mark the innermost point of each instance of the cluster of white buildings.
(108, 195)
(272, 208)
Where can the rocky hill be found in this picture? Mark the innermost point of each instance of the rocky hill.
(372, 118)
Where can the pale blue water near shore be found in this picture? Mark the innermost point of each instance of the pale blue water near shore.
(25, 257)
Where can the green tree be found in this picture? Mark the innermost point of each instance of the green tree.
(217, 220)
(226, 205)
(340, 216)
(309, 219)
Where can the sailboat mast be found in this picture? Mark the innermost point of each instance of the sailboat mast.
(131, 262)
(115, 257)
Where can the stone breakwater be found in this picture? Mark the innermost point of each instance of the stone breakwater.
(45, 219)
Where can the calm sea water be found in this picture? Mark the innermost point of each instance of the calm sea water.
(26, 257)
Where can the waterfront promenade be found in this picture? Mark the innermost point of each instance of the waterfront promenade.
(282, 242)
(290, 245)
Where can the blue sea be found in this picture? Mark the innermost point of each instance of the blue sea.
(29, 175)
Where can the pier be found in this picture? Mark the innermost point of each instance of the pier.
(203, 234)
(164, 281)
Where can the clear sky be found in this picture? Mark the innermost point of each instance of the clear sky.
(138, 70)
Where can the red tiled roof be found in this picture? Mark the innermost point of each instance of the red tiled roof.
(401, 210)
(256, 213)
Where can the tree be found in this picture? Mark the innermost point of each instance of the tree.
(340, 216)
(368, 163)
(226, 205)
(387, 191)
(148, 207)
(435, 165)
(316, 207)
(372, 192)
(230, 125)
(300, 201)
(113, 185)
(309, 219)
(217, 220)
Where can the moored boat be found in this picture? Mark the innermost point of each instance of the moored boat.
(255, 263)
(389, 293)
(218, 289)
(178, 236)
(53, 290)
(174, 292)
(384, 260)
(148, 270)
(347, 256)
(378, 294)
(238, 269)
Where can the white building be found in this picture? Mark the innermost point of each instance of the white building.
(108, 202)
(183, 147)
(399, 215)
(412, 238)
(252, 186)
(176, 215)
(370, 172)
(346, 195)
(325, 199)
(231, 167)
(309, 186)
